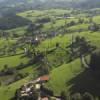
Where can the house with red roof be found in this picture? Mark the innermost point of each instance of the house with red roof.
(43, 79)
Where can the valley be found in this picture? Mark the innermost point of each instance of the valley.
(51, 42)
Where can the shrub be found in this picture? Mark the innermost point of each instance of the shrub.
(76, 96)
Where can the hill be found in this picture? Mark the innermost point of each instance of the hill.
(13, 6)
(13, 21)
(22, 56)
(73, 79)
(74, 3)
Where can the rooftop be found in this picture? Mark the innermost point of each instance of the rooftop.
(44, 78)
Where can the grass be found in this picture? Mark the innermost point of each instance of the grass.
(58, 23)
(4, 42)
(96, 19)
(31, 15)
(60, 76)
(51, 43)
(20, 31)
(7, 92)
(58, 11)
(93, 37)
(78, 27)
(29, 70)
(37, 13)
(12, 61)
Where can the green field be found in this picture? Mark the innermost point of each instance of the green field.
(64, 75)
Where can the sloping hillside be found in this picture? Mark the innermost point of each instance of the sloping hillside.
(62, 75)
(73, 78)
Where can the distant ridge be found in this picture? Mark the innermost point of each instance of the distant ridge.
(23, 5)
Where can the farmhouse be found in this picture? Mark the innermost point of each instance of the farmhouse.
(44, 79)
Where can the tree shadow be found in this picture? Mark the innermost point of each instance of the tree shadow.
(85, 82)
(5, 56)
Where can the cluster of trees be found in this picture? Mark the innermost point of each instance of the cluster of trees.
(92, 25)
(12, 21)
(48, 93)
(15, 75)
(72, 23)
(32, 28)
(80, 46)
(95, 62)
(45, 4)
(14, 72)
(43, 67)
(80, 21)
(4, 34)
(10, 71)
(43, 20)
(78, 96)
(8, 50)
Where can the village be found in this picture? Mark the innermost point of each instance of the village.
(35, 90)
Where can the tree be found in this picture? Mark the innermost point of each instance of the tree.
(44, 69)
(82, 45)
(87, 96)
(76, 96)
(5, 67)
(19, 76)
(68, 96)
(95, 61)
(93, 27)
(63, 95)
(35, 96)
(90, 20)
(57, 45)
(31, 28)
(0, 83)
(80, 20)
(72, 23)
